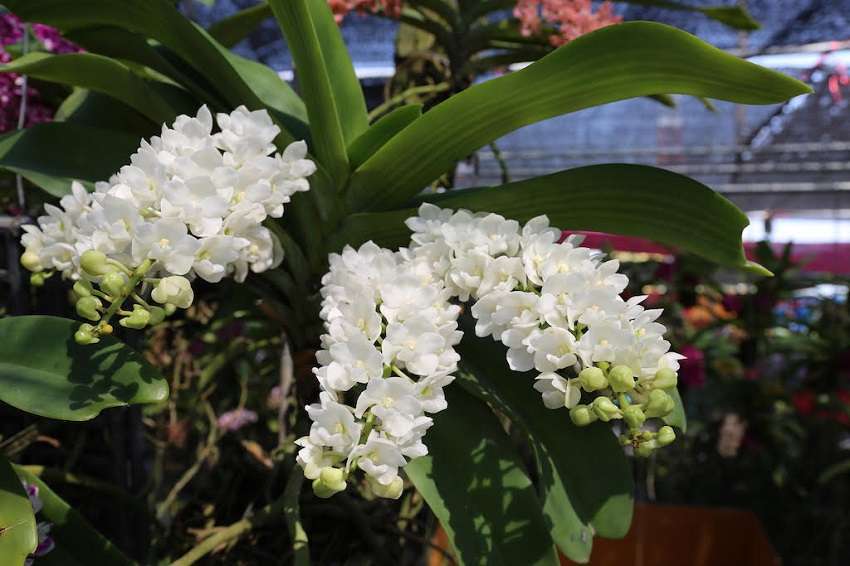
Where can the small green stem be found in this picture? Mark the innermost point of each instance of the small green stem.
(136, 276)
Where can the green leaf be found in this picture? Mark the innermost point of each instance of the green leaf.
(285, 106)
(292, 513)
(18, 537)
(70, 149)
(584, 475)
(157, 19)
(160, 102)
(381, 132)
(735, 17)
(122, 44)
(231, 30)
(614, 63)
(474, 483)
(633, 200)
(677, 418)
(335, 103)
(65, 380)
(96, 110)
(77, 542)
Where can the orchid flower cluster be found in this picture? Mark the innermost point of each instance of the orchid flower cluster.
(190, 204)
(389, 348)
(341, 8)
(557, 307)
(45, 541)
(572, 18)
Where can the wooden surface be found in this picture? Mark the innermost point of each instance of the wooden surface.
(664, 535)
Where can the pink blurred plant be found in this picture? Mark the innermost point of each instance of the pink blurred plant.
(12, 85)
(341, 8)
(572, 18)
(231, 421)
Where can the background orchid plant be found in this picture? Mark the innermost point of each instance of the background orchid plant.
(556, 481)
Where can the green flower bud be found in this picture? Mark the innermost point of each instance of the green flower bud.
(644, 449)
(329, 482)
(169, 309)
(391, 491)
(114, 284)
(86, 334)
(659, 404)
(665, 378)
(138, 319)
(37, 279)
(592, 379)
(174, 290)
(95, 263)
(157, 315)
(634, 417)
(82, 288)
(665, 436)
(605, 409)
(582, 415)
(31, 261)
(89, 307)
(621, 379)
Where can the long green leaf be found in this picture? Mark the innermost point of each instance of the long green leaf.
(292, 513)
(18, 536)
(157, 19)
(584, 473)
(335, 103)
(51, 155)
(381, 132)
(122, 44)
(677, 418)
(614, 63)
(160, 102)
(43, 371)
(633, 200)
(96, 110)
(735, 17)
(77, 542)
(474, 483)
(231, 30)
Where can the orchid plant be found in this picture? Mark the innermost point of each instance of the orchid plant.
(439, 317)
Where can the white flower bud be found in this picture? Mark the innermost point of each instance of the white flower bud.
(174, 290)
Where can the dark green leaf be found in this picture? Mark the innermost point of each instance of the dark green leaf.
(633, 200)
(18, 536)
(735, 17)
(66, 381)
(160, 102)
(70, 149)
(381, 132)
(614, 63)
(76, 540)
(128, 46)
(584, 474)
(157, 19)
(231, 30)
(292, 512)
(331, 91)
(96, 110)
(474, 483)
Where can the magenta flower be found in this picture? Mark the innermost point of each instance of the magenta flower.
(45, 541)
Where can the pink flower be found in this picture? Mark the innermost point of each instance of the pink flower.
(573, 18)
(341, 8)
(231, 421)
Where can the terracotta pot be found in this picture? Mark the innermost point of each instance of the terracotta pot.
(663, 535)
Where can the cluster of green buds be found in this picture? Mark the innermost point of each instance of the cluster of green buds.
(619, 396)
(110, 289)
